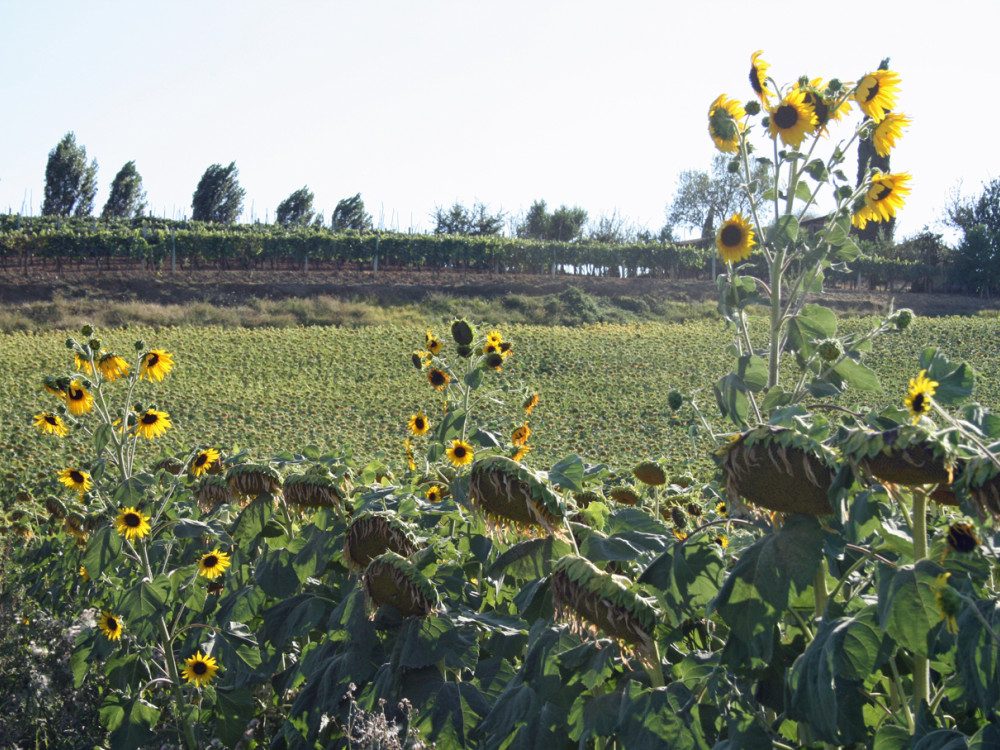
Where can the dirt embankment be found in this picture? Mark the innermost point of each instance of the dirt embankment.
(394, 287)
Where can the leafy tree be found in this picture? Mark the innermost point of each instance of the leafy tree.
(536, 223)
(127, 198)
(296, 209)
(705, 199)
(977, 259)
(460, 220)
(868, 159)
(612, 229)
(564, 224)
(350, 214)
(218, 197)
(70, 183)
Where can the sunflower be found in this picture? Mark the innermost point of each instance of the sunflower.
(949, 603)
(433, 343)
(919, 398)
(409, 455)
(212, 564)
(112, 367)
(494, 338)
(494, 360)
(82, 364)
(521, 452)
(792, 119)
(84, 574)
(152, 423)
(758, 76)
(521, 434)
(55, 386)
(883, 199)
(724, 123)
(111, 626)
(438, 378)
(460, 453)
(418, 424)
(203, 461)
(132, 524)
(420, 359)
(887, 131)
(76, 480)
(962, 537)
(199, 669)
(78, 399)
(823, 108)
(51, 424)
(722, 540)
(735, 239)
(434, 494)
(155, 365)
(876, 93)
(530, 403)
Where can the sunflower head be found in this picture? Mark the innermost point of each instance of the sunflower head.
(438, 378)
(152, 423)
(371, 534)
(420, 359)
(962, 537)
(156, 363)
(758, 76)
(203, 461)
(883, 199)
(51, 424)
(459, 453)
(876, 93)
(199, 669)
(919, 399)
(312, 490)
(213, 564)
(791, 119)
(132, 524)
(735, 239)
(76, 480)
(624, 494)
(949, 603)
(724, 124)
(111, 625)
(463, 332)
(112, 367)
(78, 399)
(435, 494)
(432, 342)
(520, 435)
(390, 580)
(887, 131)
(530, 403)
(651, 473)
(418, 424)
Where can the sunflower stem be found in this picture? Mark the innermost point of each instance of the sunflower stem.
(168, 652)
(820, 594)
(921, 664)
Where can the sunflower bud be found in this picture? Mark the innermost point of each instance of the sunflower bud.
(830, 350)
(834, 85)
(675, 400)
(87, 331)
(95, 345)
(71, 344)
(752, 107)
(463, 332)
(140, 345)
(902, 318)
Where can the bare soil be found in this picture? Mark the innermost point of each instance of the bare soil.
(225, 288)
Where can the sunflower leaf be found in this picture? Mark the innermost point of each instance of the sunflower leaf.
(803, 192)
(954, 382)
(817, 170)
(783, 232)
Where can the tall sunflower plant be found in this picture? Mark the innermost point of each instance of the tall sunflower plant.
(136, 553)
(803, 133)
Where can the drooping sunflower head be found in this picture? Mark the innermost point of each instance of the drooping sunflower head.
(78, 399)
(371, 534)
(494, 360)
(432, 342)
(508, 495)
(876, 93)
(735, 239)
(438, 378)
(51, 424)
(824, 104)
(76, 480)
(312, 490)
(624, 494)
(962, 537)
(211, 492)
(112, 367)
(888, 131)
(391, 580)
(250, 480)
(521, 452)
(203, 461)
(55, 386)
(463, 332)
(791, 119)
(156, 363)
(919, 399)
(724, 123)
(110, 625)
(420, 359)
(520, 435)
(651, 473)
(213, 564)
(132, 524)
(530, 403)
(82, 364)
(418, 424)
(152, 423)
(758, 77)
(199, 669)
(459, 453)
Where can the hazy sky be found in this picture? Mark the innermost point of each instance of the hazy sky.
(421, 103)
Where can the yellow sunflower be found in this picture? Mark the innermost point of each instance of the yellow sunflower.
(438, 378)
(460, 453)
(521, 434)
(418, 424)
(758, 76)
(82, 364)
(111, 626)
(420, 359)
(78, 399)
(876, 93)
(724, 123)
(152, 423)
(203, 461)
(823, 108)
(887, 131)
(433, 343)
(199, 669)
(212, 564)
(76, 480)
(735, 239)
(521, 452)
(51, 424)
(132, 524)
(792, 119)
(494, 338)
(112, 367)
(55, 386)
(920, 397)
(155, 365)
(434, 494)
(409, 455)
(883, 199)
(530, 403)
(84, 574)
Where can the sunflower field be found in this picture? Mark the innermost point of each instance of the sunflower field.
(470, 535)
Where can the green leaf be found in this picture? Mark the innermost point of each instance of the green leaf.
(802, 191)
(858, 376)
(130, 494)
(812, 323)
(977, 659)
(783, 232)
(532, 558)
(250, 523)
(452, 714)
(568, 473)
(688, 575)
(144, 600)
(102, 436)
(892, 737)
(774, 398)
(102, 549)
(660, 718)
(428, 640)
(234, 708)
(474, 379)
(293, 617)
(275, 573)
(755, 594)
(954, 382)
(753, 372)
(130, 721)
(907, 607)
(817, 170)
(731, 397)
(316, 554)
(190, 529)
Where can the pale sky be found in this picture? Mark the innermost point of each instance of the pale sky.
(421, 103)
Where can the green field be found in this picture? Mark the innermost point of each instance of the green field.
(603, 388)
